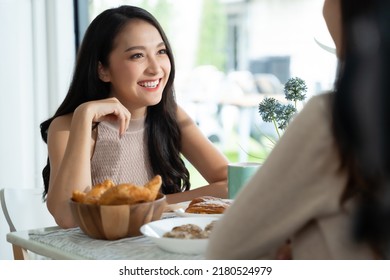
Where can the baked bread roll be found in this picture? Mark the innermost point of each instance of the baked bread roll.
(124, 194)
(187, 231)
(204, 198)
(190, 228)
(207, 205)
(190, 231)
(92, 196)
(107, 193)
(131, 194)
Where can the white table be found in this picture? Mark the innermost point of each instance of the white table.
(73, 244)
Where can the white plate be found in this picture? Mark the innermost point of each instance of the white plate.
(155, 230)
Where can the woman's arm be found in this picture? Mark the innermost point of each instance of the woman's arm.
(70, 146)
(205, 157)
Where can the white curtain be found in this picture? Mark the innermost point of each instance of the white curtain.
(37, 52)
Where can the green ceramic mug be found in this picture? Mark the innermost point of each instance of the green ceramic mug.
(238, 174)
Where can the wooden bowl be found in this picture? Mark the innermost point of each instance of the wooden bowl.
(116, 221)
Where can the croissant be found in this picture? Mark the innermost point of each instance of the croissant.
(107, 193)
(93, 196)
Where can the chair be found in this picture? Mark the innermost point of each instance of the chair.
(24, 209)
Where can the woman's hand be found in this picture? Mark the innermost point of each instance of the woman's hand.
(109, 109)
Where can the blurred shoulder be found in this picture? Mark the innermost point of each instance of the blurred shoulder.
(316, 114)
(320, 105)
(323, 100)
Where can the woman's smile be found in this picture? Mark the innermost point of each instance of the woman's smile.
(150, 85)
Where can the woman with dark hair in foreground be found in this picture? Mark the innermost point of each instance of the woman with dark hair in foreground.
(325, 187)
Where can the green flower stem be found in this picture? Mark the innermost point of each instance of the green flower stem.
(276, 127)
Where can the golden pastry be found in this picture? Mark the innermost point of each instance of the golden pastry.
(107, 193)
(207, 205)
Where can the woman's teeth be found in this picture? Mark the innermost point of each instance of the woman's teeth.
(150, 84)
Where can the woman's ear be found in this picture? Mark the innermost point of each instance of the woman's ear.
(103, 73)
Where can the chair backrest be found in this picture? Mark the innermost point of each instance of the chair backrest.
(24, 209)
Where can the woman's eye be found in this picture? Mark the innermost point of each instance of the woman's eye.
(163, 51)
(137, 55)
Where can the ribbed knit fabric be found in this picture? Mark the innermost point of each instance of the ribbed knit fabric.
(121, 159)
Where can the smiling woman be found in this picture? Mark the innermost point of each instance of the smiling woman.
(262, 37)
(120, 119)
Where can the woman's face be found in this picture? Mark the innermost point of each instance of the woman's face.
(332, 16)
(139, 67)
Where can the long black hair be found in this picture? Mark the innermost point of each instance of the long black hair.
(162, 129)
(361, 117)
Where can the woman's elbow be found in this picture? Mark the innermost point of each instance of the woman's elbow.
(62, 219)
(65, 222)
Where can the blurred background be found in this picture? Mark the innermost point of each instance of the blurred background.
(229, 55)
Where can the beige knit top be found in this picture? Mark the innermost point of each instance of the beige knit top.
(121, 159)
(295, 195)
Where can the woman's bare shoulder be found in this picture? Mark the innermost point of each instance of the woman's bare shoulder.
(61, 123)
(184, 119)
(180, 112)
(182, 115)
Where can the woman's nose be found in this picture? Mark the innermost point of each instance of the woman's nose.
(154, 66)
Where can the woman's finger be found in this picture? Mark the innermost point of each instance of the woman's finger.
(124, 121)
